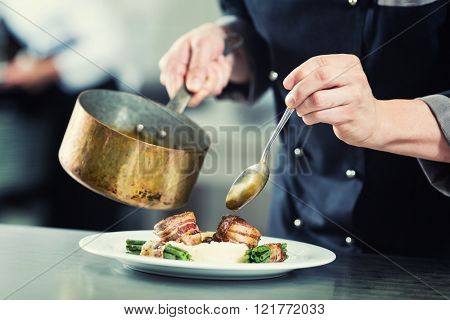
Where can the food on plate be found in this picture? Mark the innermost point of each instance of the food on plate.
(271, 252)
(150, 248)
(156, 249)
(215, 252)
(235, 229)
(180, 228)
(207, 236)
(175, 253)
(234, 241)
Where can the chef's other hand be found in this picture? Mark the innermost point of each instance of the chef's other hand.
(334, 89)
(197, 58)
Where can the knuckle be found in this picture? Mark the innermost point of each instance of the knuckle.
(353, 59)
(357, 96)
(360, 77)
(308, 119)
(323, 74)
(297, 94)
(200, 43)
(321, 61)
(317, 99)
(301, 111)
(299, 75)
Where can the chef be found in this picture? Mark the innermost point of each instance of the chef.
(370, 78)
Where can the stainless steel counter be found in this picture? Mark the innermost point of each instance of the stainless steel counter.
(43, 263)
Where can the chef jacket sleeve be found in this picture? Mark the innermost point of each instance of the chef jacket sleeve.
(438, 173)
(237, 19)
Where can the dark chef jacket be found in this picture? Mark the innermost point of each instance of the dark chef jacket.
(326, 192)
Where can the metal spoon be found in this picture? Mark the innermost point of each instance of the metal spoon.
(253, 179)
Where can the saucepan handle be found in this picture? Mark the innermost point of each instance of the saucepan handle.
(179, 102)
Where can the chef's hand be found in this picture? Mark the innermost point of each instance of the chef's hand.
(197, 58)
(334, 89)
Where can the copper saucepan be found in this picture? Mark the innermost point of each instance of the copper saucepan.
(134, 150)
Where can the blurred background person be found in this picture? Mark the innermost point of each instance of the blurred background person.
(50, 51)
(129, 48)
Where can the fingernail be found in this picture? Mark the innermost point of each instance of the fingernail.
(290, 100)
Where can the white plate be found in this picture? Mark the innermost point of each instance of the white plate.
(112, 245)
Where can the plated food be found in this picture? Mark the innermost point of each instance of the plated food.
(234, 241)
(111, 245)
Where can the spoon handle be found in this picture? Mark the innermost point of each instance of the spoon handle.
(276, 132)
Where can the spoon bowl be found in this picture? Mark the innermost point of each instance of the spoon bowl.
(247, 186)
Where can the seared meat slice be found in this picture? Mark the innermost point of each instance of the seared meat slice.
(180, 227)
(235, 229)
(277, 252)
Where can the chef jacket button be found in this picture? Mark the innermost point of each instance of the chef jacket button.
(298, 152)
(350, 173)
(352, 2)
(273, 75)
(297, 223)
(349, 241)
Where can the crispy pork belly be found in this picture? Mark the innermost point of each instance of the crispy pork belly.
(277, 255)
(180, 228)
(235, 229)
